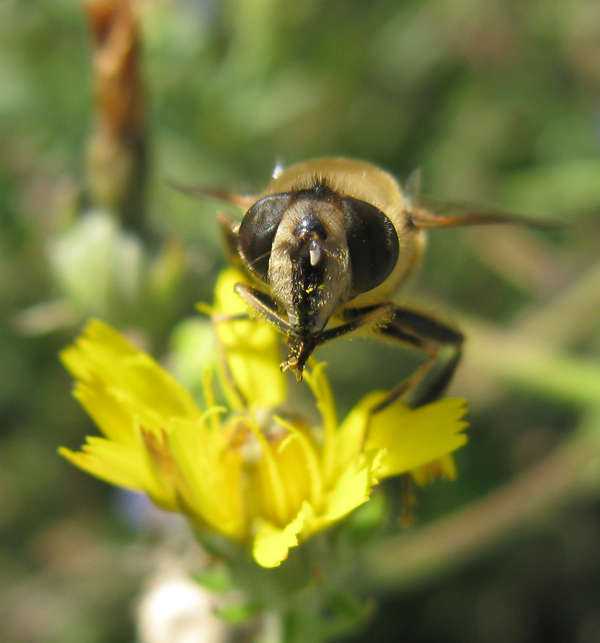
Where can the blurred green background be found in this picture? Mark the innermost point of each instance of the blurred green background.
(495, 101)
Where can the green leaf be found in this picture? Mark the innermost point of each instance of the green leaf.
(238, 612)
(216, 578)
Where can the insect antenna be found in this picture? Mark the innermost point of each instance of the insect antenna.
(260, 258)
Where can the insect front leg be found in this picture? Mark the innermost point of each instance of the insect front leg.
(301, 348)
(264, 305)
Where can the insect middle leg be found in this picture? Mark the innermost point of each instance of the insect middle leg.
(439, 341)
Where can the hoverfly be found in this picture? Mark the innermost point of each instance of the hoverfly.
(327, 244)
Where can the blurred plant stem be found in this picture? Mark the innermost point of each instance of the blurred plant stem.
(572, 313)
(533, 353)
(531, 364)
(438, 548)
(117, 155)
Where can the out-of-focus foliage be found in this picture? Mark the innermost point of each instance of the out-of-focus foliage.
(495, 102)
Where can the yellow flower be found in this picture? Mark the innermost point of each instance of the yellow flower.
(263, 478)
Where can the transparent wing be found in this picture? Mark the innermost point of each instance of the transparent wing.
(429, 213)
(238, 200)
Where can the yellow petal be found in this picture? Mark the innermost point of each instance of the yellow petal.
(305, 447)
(444, 467)
(414, 437)
(252, 346)
(109, 414)
(102, 356)
(269, 478)
(351, 490)
(350, 436)
(121, 466)
(227, 301)
(319, 385)
(84, 357)
(271, 543)
(212, 475)
(292, 479)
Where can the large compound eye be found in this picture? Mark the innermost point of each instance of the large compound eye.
(372, 243)
(257, 232)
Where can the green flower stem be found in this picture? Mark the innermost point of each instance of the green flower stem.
(308, 599)
(271, 630)
(569, 315)
(532, 364)
(403, 561)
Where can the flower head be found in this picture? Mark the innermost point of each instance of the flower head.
(258, 476)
